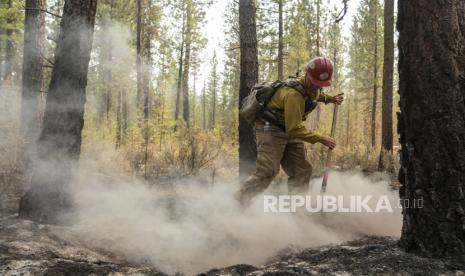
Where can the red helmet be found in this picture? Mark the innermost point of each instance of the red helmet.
(320, 71)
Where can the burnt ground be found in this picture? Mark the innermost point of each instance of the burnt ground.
(27, 248)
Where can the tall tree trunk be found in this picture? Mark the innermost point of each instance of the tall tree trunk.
(180, 67)
(248, 77)
(146, 72)
(139, 64)
(9, 50)
(316, 118)
(185, 75)
(375, 80)
(280, 42)
(432, 126)
(388, 72)
(185, 88)
(106, 67)
(34, 27)
(59, 144)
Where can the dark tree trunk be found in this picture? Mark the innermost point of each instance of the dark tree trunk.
(316, 118)
(248, 77)
(59, 144)
(432, 126)
(388, 72)
(280, 42)
(180, 67)
(140, 93)
(147, 63)
(185, 75)
(9, 50)
(34, 27)
(374, 104)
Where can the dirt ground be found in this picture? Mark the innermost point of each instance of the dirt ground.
(27, 248)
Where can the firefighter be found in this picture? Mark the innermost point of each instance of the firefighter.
(280, 136)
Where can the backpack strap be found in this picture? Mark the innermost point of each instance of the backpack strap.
(296, 85)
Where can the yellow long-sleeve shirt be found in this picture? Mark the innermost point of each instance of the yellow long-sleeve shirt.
(290, 107)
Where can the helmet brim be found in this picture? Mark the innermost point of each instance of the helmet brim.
(318, 82)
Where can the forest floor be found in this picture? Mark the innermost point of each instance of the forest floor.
(27, 248)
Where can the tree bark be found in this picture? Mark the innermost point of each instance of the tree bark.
(316, 118)
(180, 66)
(432, 126)
(139, 65)
(59, 144)
(280, 42)
(185, 75)
(388, 72)
(375, 79)
(248, 77)
(34, 27)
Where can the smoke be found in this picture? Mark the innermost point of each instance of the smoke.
(192, 226)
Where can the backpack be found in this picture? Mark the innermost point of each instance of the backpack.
(255, 103)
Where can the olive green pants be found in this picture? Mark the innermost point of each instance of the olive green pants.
(276, 148)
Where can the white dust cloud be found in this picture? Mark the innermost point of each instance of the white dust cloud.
(195, 227)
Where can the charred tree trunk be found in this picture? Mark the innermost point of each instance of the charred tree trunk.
(59, 144)
(34, 27)
(280, 42)
(388, 72)
(432, 126)
(248, 77)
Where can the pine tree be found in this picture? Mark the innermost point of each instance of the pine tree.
(248, 77)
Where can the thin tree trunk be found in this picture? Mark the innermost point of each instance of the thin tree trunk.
(59, 144)
(375, 81)
(280, 42)
(34, 28)
(248, 77)
(139, 65)
(204, 103)
(106, 68)
(185, 76)
(316, 118)
(213, 117)
(180, 67)
(388, 72)
(432, 126)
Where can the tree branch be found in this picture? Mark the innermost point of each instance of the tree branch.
(42, 10)
(343, 12)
